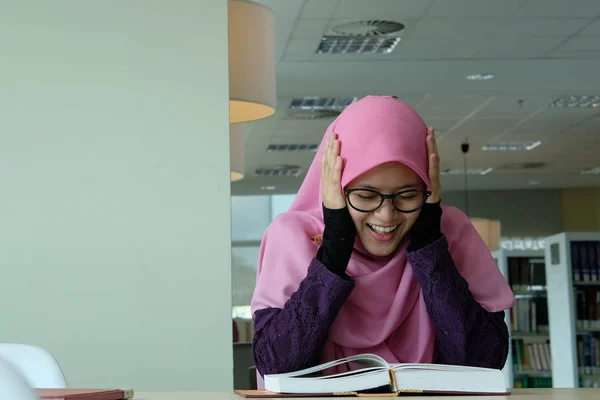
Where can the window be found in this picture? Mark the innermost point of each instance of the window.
(250, 217)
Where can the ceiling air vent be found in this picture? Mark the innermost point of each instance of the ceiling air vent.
(313, 114)
(279, 170)
(293, 147)
(321, 103)
(309, 108)
(361, 37)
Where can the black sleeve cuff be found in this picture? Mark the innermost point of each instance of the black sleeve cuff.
(338, 224)
(427, 229)
(338, 240)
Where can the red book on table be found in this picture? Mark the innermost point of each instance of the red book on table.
(85, 394)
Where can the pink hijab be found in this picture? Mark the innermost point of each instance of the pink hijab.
(386, 313)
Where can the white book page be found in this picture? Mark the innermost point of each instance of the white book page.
(370, 361)
(438, 367)
(374, 378)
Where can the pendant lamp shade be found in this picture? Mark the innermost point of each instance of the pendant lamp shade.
(237, 150)
(489, 230)
(251, 61)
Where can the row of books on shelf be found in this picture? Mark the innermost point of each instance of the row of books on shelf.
(531, 356)
(585, 261)
(588, 308)
(524, 381)
(526, 274)
(530, 315)
(588, 354)
(245, 330)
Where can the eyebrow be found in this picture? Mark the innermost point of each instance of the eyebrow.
(407, 186)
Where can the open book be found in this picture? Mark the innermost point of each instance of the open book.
(371, 374)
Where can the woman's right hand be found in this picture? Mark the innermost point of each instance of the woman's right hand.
(331, 175)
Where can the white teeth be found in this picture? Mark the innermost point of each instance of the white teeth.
(383, 229)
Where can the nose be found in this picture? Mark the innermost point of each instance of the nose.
(387, 211)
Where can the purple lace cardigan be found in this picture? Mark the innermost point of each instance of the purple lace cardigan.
(292, 338)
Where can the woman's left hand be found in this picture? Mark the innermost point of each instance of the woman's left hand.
(434, 168)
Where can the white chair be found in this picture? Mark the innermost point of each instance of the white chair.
(37, 366)
(13, 385)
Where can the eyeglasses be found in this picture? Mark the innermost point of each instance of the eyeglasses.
(369, 200)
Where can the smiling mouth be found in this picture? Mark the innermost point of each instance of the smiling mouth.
(383, 229)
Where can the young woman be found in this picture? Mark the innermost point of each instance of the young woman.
(366, 260)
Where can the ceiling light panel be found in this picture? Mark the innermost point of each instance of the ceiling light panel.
(470, 171)
(591, 171)
(577, 101)
(294, 148)
(511, 146)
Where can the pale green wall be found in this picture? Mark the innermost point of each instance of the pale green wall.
(521, 212)
(115, 196)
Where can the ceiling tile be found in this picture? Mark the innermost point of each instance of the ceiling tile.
(574, 55)
(543, 127)
(310, 28)
(318, 8)
(516, 105)
(522, 47)
(451, 106)
(562, 113)
(474, 8)
(581, 43)
(543, 27)
(441, 48)
(441, 125)
(300, 49)
(592, 29)
(488, 128)
(457, 28)
(381, 9)
(560, 8)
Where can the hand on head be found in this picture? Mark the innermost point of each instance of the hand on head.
(434, 168)
(331, 175)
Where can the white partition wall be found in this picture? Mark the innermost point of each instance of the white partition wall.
(571, 267)
(115, 190)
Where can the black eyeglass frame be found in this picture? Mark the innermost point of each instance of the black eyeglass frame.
(383, 198)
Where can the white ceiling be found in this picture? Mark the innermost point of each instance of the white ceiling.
(537, 50)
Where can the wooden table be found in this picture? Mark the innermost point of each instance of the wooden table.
(518, 394)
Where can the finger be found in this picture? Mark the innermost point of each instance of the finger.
(327, 151)
(430, 149)
(337, 169)
(335, 149)
(434, 141)
(434, 168)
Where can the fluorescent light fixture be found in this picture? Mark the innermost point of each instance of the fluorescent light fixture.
(591, 171)
(512, 146)
(470, 171)
(357, 45)
(577, 101)
(480, 77)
